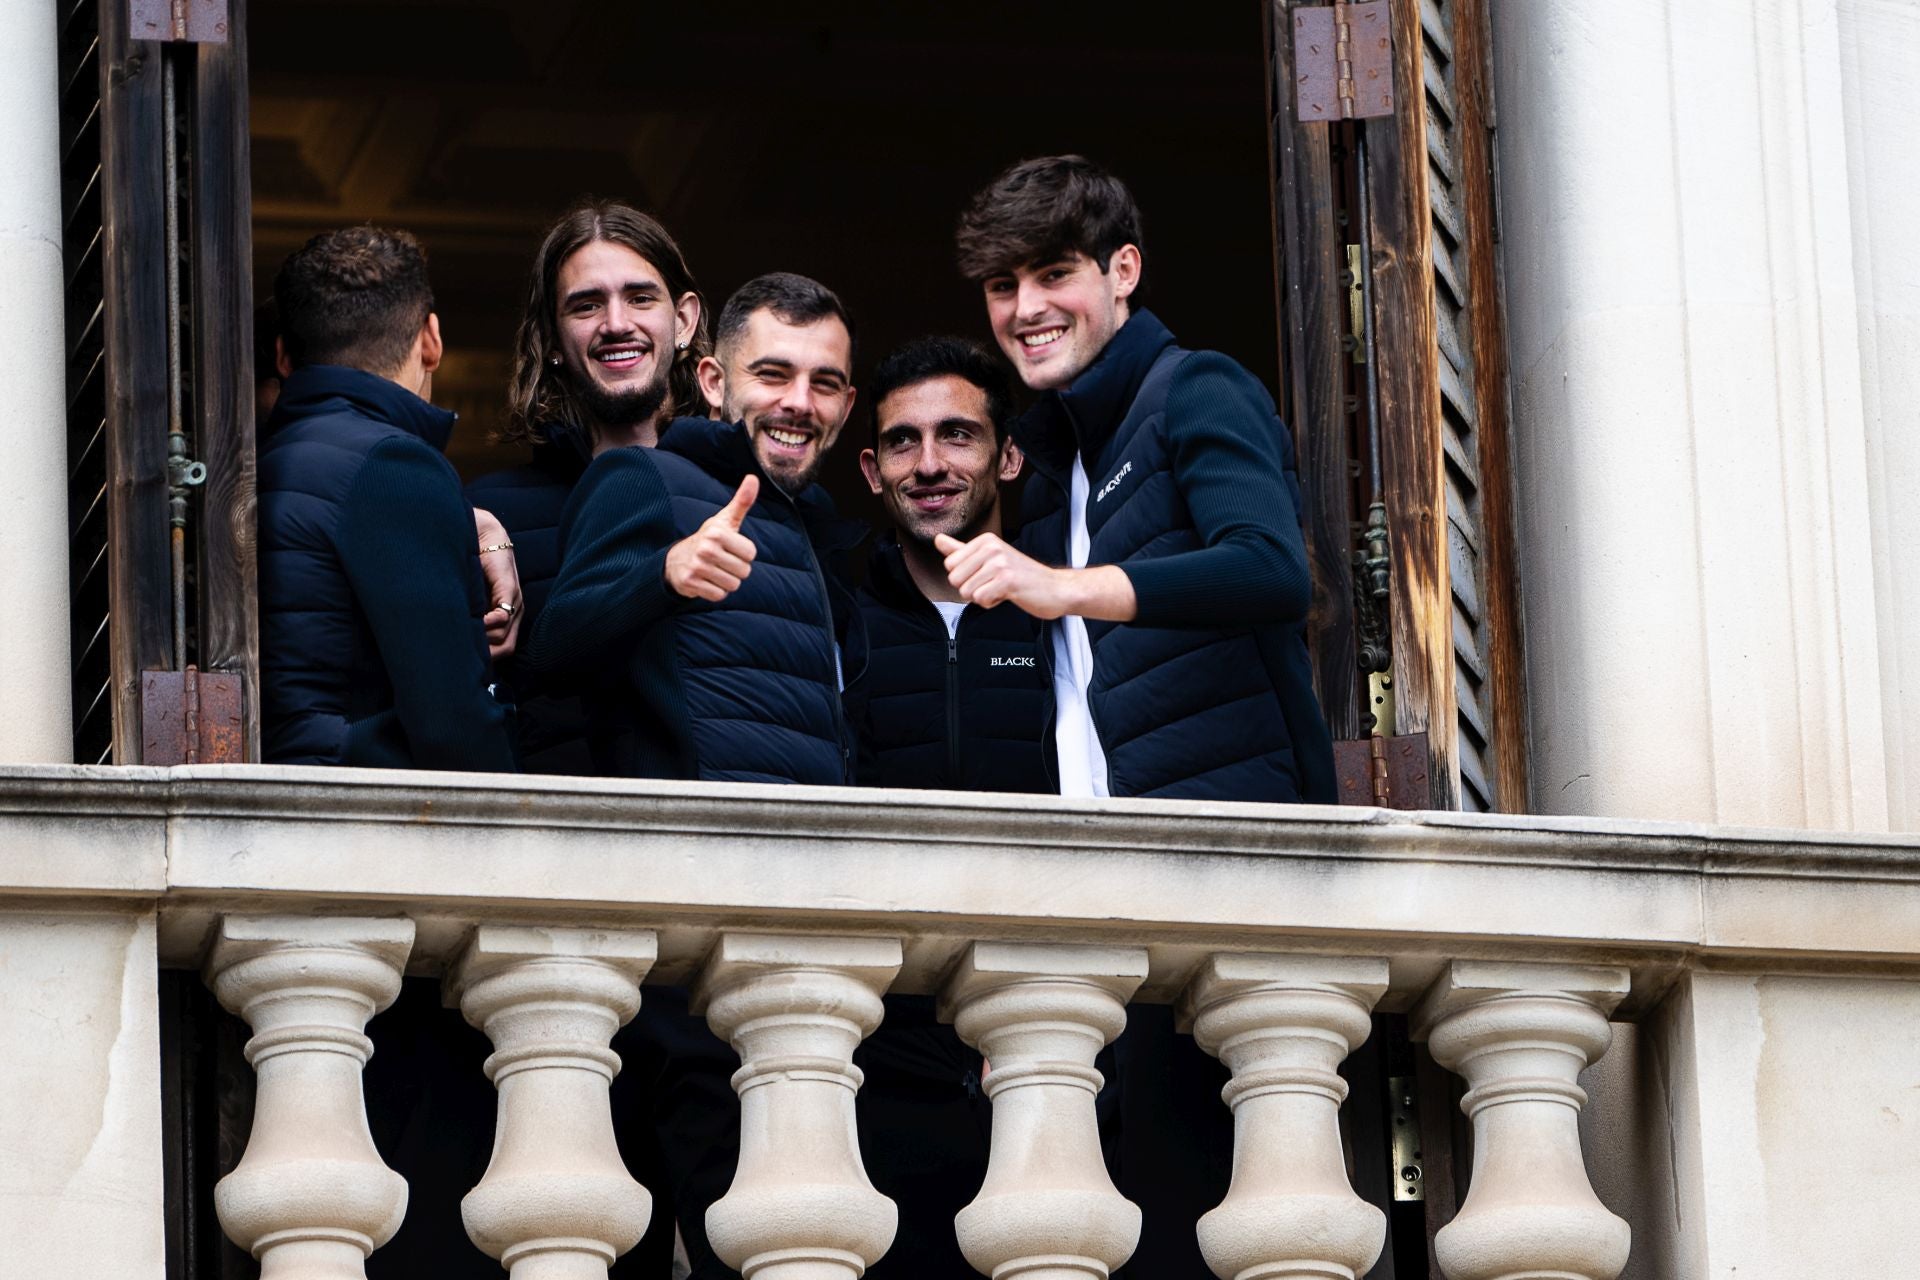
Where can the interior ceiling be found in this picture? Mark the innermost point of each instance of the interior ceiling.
(834, 139)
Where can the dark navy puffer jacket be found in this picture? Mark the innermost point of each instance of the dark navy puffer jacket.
(372, 650)
(963, 713)
(1208, 692)
(528, 499)
(746, 690)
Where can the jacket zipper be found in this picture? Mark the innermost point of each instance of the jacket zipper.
(833, 639)
(953, 710)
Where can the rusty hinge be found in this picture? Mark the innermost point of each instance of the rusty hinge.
(191, 21)
(1343, 61)
(191, 717)
(1390, 772)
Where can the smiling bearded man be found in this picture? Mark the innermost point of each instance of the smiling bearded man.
(696, 580)
(694, 576)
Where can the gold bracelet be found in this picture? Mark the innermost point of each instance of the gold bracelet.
(496, 546)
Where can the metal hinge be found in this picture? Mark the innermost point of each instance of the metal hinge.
(188, 21)
(1409, 1164)
(1343, 61)
(191, 717)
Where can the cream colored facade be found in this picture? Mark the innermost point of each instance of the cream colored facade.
(1712, 922)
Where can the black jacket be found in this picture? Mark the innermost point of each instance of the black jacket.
(551, 727)
(966, 713)
(372, 651)
(1208, 692)
(746, 690)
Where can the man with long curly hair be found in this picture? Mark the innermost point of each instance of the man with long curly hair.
(613, 329)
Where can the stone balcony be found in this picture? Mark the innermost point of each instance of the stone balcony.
(1517, 946)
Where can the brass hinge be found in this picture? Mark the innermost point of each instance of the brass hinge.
(188, 21)
(1409, 1162)
(1343, 61)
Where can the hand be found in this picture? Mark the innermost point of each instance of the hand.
(712, 562)
(502, 574)
(986, 572)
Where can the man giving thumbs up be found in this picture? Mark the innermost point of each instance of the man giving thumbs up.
(695, 604)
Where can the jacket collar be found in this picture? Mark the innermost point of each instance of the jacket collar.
(562, 446)
(888, 577)
(723, 451)
(1081, 417)
(319, 388)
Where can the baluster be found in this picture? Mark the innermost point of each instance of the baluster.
(794, 1009)
(1283, 1025)
(556, 1202)
(1040, 1012)
(1521, 1034)
(311, 1197)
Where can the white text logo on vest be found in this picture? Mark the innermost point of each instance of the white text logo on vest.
(1010, 662)
(1107, 488)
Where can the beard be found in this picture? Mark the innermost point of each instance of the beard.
(626, 407)
(790, 480)
(964, 522)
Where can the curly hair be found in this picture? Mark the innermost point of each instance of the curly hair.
(356, 297)
(541, 392)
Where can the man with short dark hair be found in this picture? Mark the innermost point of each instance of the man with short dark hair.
(605, 356)
(373, 648)
(694, 573)
(698, 577)
(1166, 516)
(1173, 572)
(953, 695)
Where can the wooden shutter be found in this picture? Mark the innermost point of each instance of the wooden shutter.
(1424, 202)
(114, 127)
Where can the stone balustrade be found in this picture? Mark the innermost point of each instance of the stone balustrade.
(547, 908)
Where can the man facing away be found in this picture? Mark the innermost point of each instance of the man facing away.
(954, 695)
(373, 649)
(1168, 499)
(692, 573)
(605, 356)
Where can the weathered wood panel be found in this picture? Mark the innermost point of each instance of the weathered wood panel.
(1312, 320)
(134, 273)
(222, 360)
(1504, 679)
(1407, 350)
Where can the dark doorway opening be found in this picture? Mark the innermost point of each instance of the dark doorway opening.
(835, 139)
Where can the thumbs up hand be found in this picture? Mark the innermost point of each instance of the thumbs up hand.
(712, 562)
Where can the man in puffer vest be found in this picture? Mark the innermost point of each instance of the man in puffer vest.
(373, 648)
(1164, 516)
(698, 576)
(953, 695)
(695, 575)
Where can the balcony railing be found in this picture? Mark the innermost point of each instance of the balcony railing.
(546, 907)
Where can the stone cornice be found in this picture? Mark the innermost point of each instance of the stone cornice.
(938, 868)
